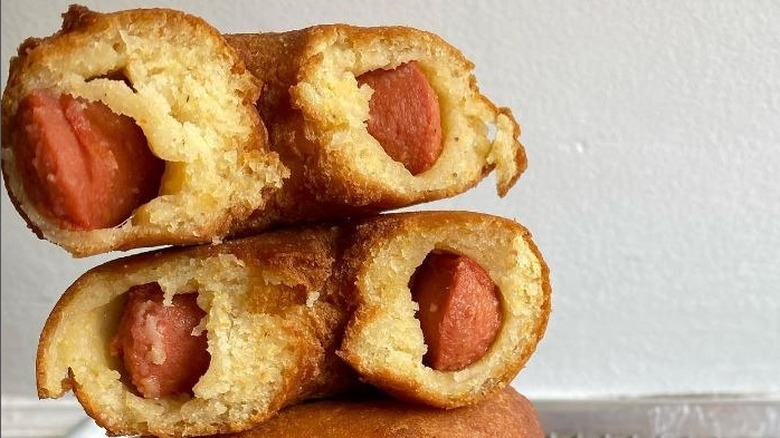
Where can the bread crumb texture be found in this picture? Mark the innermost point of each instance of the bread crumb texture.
(478, 136)
(384, 341)
(185, 87)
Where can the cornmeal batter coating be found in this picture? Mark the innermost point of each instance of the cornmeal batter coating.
(198, 161)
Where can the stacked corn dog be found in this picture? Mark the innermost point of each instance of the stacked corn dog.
(265, 162)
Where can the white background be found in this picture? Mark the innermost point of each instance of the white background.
(653, 135)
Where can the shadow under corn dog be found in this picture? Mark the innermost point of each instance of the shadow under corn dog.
(216, 339)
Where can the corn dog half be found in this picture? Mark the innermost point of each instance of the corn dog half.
(134, 128)
(374, 118)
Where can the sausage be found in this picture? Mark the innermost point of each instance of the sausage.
(83, 164)
(459, 311)
(404, 115)
(160, 351)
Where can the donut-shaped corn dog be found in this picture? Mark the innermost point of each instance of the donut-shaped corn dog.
(505, 415)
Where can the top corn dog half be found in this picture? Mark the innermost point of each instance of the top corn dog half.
(139, 128)
(370, 119)
(133, 129)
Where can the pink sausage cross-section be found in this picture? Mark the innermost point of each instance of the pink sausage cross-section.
(161, 353)
(83, 165)
(404, 115)
(459, 311)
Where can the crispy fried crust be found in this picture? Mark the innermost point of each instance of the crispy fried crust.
(189, 93)
(504, 415)
(274, 319)
(384, 342)
(277, 306)
(316, 116)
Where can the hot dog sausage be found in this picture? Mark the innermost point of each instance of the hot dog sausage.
(459, 311)
(404, 115)
(161, 353)
(84, 165)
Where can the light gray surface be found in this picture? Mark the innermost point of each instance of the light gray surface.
(87, 429)
(698, 417)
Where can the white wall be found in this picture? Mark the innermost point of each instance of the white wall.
(653, 135)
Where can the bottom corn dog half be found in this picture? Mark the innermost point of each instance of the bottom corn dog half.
(373, 118)
(216, 339)
(267, 311)
(443, 347)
